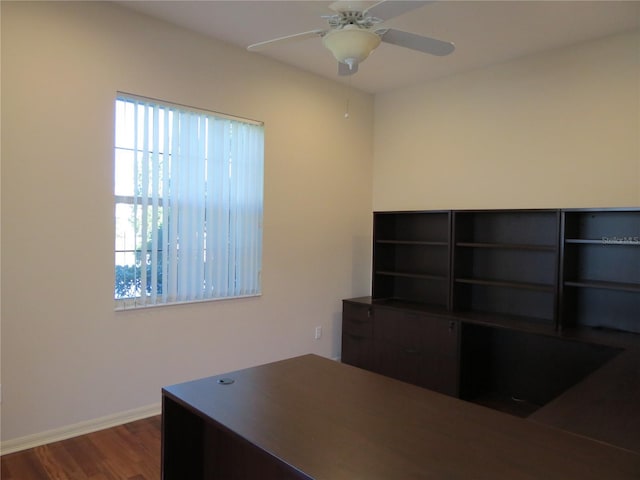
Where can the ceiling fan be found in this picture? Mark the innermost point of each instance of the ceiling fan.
(354, 31)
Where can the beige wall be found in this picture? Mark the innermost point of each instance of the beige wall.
(560, 129)
(67, 357)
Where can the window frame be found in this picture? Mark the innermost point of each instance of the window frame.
(140, 300)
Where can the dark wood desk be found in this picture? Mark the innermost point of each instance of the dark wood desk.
(604, 406)
(313, 418)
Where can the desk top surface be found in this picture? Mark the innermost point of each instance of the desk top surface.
(333, 421)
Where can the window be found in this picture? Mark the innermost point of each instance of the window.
(188, 204)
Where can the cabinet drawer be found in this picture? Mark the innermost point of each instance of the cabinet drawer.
(403, 363)
(356, 326)
(357, 320)
(358, 350)
(405, 329)
(361, 311)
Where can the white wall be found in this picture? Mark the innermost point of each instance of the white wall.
(559, 129)
(67, 357)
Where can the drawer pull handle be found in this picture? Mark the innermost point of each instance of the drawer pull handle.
(412, 351)
(358, 321)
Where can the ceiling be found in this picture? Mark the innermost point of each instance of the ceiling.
(484, 32)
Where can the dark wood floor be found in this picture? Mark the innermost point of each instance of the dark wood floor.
(125, 452)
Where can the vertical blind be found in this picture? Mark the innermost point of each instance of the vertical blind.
(191, 183)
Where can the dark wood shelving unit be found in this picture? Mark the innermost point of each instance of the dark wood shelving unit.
(600, 265)
(505, 262)
(411, 256)
(507, 308)
(565, 268)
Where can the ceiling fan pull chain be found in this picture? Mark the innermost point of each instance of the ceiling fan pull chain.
(346, 110)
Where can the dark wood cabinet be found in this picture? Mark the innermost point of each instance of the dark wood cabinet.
(414, 347)
(418, 348)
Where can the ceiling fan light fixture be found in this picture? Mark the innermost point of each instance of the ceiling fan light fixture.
(351, 45)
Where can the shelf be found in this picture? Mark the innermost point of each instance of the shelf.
(581, 241)
(508, 246)
(417, 228)
(626, 287)
(413, 242)
(507, 228)
(537, 325)
(423, 276)
(611, 226)
(502, 283)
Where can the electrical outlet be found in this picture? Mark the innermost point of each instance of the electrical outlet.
(318, 333)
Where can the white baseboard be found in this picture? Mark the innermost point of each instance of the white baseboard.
(82, 428)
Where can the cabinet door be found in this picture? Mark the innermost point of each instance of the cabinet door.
(357, 335)
(400, 345)
(418, 348)
(441, 346)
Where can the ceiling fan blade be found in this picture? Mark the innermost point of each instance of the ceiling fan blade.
(418, 42)
(345, 70)
(288, 38)
(387, 9)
